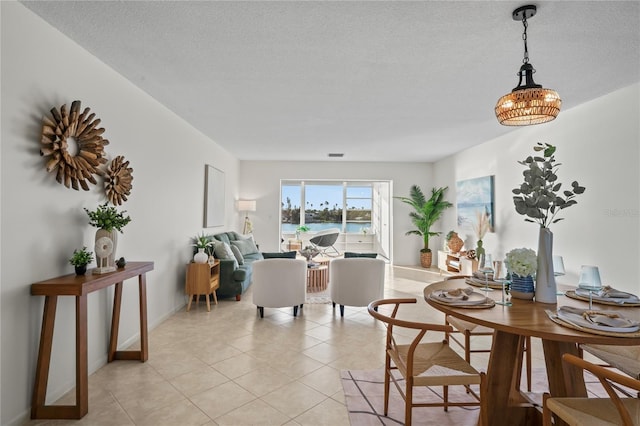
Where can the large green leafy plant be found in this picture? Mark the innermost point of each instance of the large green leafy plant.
(107, 218)
(540, 197)
(426, 212)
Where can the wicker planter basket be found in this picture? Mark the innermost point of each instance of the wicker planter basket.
(425, 259)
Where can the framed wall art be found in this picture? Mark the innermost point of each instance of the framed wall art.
(214, 207)
(474, 197)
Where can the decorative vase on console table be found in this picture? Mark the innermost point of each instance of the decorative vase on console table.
(109, 222)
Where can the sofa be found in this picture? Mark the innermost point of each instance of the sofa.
(236, 253)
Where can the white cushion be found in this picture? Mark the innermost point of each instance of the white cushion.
(356, 281)
(278, 283)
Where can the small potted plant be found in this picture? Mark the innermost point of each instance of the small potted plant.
(80, 259)
(205, 248)
(301, 228)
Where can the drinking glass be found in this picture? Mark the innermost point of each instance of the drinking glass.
(486, 268)
(558, 270)
(500, 276)
(590, 281)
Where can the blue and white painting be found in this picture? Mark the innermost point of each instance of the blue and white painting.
(473, 197)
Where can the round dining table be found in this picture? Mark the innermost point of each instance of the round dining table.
(505, 403)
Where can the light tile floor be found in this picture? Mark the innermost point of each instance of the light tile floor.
(230, 367)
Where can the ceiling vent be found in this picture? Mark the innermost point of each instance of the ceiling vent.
(336, 155)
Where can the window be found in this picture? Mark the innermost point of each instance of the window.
(327, 204)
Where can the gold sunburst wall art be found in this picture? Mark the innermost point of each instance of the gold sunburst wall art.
(74, 146)
(117, 180)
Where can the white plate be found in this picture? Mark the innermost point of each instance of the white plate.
(578, 320)
(473, 299)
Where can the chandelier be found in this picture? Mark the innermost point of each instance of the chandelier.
(529, 103)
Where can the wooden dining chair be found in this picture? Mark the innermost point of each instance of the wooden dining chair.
(623, 358)
(423, 364)
(595, 411)
(468, 330)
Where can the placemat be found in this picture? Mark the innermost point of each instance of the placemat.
(553, 317)
(572, 294)
(477, 283)
(490, 303)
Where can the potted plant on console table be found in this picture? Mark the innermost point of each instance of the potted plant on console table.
(80, 259)
(425, 214)
(108, 220)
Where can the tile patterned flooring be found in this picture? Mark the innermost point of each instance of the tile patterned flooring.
(229, 367)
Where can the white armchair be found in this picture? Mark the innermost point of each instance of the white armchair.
(356, 281)
(278, 283)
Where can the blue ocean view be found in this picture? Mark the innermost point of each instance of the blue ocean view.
(352, 228)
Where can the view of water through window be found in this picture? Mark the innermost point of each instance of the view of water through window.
(322, 205)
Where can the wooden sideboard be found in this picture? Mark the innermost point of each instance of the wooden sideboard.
(80, 286)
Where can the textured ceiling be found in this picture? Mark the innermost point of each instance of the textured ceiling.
(378, 81)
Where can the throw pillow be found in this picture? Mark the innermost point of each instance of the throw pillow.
(348, 254)
(223, 251)
(278, 255)
(237, 254)
(245, 246)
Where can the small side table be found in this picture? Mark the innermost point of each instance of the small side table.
(317, 279)
(202, 278)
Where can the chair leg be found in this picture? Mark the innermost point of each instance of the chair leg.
(334, 305)
(408, 403)
(261, 310)
(341, 310)
(528, 361)
(445, 394)
(295, 311)
(301, 305)
(387, 372)
(546, 413)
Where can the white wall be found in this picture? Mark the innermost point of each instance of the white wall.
(260, 180)
(42, 221)
(598, 145)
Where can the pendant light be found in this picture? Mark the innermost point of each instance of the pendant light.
(529, 103)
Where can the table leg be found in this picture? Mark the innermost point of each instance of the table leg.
(504, 404)
(44, 357)
(564, 379)
(144, 336)
(38, 408)
(82, 357)
(143, 353)
(115, 322)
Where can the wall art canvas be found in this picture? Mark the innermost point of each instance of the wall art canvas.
(214, 207)
(473, 197)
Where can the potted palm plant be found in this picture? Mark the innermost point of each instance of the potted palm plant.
(426, 213)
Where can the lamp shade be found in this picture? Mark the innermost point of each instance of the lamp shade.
(247, 205)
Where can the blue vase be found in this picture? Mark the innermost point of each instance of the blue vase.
(522, 287)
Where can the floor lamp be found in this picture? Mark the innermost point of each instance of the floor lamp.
(247, 206)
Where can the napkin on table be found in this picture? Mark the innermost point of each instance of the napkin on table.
(586, 317)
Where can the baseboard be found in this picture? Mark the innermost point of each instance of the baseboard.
(418, 273)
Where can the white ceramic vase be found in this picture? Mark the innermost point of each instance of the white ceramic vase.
(201, 256)
(545, 278)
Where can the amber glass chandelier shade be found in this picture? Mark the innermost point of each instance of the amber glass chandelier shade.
(528, 106)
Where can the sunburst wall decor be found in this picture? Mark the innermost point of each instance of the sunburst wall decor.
(117, 180)
(78, 128)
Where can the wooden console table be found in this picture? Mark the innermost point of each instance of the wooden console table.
(80, 286)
